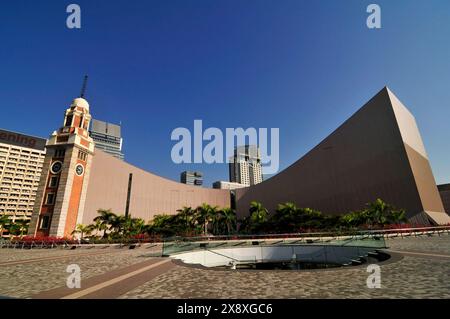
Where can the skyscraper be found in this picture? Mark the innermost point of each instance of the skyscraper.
(245, 165)
(107, 137)
(21, 161)
(191, 178)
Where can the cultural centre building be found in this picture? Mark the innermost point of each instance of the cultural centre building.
(376, 153)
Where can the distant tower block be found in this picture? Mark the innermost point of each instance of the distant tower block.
(107, 137)
(245, 166)
(62, 188)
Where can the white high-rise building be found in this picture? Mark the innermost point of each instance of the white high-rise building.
(107, 137)
(245, 165)
(21, 161)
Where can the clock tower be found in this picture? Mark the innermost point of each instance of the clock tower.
(62, 188)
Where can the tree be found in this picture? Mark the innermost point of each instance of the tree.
(133, 226)
(229, 219)
(205, 215)
(377, 213)
(19, 227)
(4, 220)
(258, 213)
(381, 213)
(118, 225)
(106, 219)
(100, 227)
(286, 218)
(354, 219)
(161, 225)
(82, 230)
(257, 220)
(187, 217)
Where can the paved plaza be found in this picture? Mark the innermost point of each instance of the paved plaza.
(419, 268)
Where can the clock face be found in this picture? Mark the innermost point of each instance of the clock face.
(56, 167)
(79, 169)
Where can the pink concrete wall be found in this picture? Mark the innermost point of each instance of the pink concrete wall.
(150, 194)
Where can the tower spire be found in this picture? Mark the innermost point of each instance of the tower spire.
(83, 88)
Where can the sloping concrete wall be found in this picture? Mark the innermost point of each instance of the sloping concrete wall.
(376, 153)
(150, 194)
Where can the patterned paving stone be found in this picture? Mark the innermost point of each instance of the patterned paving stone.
(24, 280)
(410, 277)
(406, 277)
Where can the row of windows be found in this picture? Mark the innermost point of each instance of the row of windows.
(16, 195)
(20, 179)
(82, 155)
(60, 152)
(13, 207)
(69, 122)
(23, 154)
(14, 161)
(14, 212)
(16, 190)
(20, 172)
(10, 184)
(12, 169)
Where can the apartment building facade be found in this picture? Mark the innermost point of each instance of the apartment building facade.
(21, 160)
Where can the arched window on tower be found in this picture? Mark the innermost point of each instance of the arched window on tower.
(69, 119)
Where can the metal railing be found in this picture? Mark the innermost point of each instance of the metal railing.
(234, 240)
(367, 238)
(181, 245)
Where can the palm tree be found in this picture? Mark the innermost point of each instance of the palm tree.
(205, 215)
(188, 216)
(287, 218)
(258, 213)
(82, 230)
(287, 209)
(106, 219)
(100, 227)
(133, 226)
(4, 220)
(218, 223)
(257, 220)
(161, 225)
(229, 218)
(119, 223)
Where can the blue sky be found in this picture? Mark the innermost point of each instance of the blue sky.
(301, 66)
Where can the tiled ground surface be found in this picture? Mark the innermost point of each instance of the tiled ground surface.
(409, 277)
(399, 280)
(24, 280)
